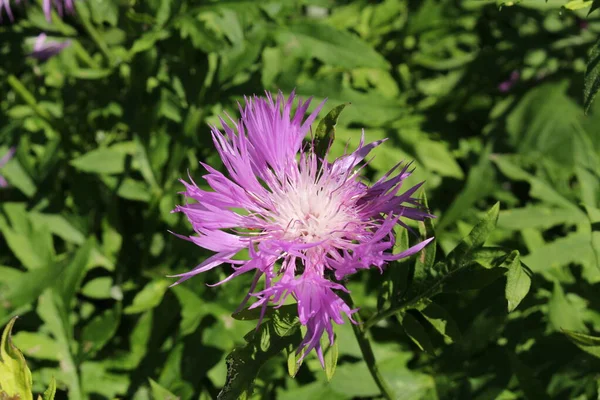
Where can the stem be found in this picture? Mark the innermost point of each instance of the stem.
(93, 33)
(360, 332)
(28, 97)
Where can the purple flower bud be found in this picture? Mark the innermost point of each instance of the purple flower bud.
(43, 49)
(506, 85)
(5, 159)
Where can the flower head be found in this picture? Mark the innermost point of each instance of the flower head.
(306, 223)
(43, 49)
(5, 159)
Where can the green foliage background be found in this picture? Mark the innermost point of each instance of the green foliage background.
(105, 129)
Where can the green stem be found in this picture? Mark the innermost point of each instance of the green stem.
(28, 97)
(360, 332)
(93, 33)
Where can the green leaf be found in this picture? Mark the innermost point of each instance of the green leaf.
(518, 281)
(100, 330)
(587, 343)
(549, 258)
(529, 383)
(426, 257)
(37, 345)
(101, 161)
(416, 332)
(58, 225)
(25, 289)
(159, 392)
(591, 81)
(577, 4)
(480, 182)
(325, 132)
(331, 360)
(243, 363)
(15, 377)
(51, 391)
(148, 41)
(149, 297)
(442, 322)
(539, 217)
(463, 252)
(73, 275)
(99, 288)
(562, 314)
(53, 311)
(594, 7)
(328, 44)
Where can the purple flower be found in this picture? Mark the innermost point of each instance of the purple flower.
(306, 223)
(510, 82)
(6, 158)
(6, 5)
(60, 5)
(44, 49)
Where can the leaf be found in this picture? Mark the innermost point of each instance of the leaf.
(53, 311)
(416, 332)
(58, 225)
(426, 257)
(587, 343)
(100, 330)
(442, 322)
(329, 45)
(15, 377)
(529, 383)
(99, 288)
(594, 7)
(51, 391)
(369, 108)
(128, 188)
(244, 362)
(159, 392)
(463, 252)
(539, 217)
(27, 288)
(73, 274)
(325, 132)
(577, 4)
(101, 161)
(331, 360)
(479, 182)
(562, 314)
(148, 41)
(149, 297)
(551, 256)
(591, 81)
(518, 281)
(37, 345)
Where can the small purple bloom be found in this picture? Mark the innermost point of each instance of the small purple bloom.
(583, 24)
(307, 224)
(60, 5)
(43, 49)
(5, 159)
(6, 5)
(510, 82)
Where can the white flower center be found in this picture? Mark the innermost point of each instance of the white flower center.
(311, 211)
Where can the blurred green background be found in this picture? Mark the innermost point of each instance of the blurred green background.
(485, 97)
